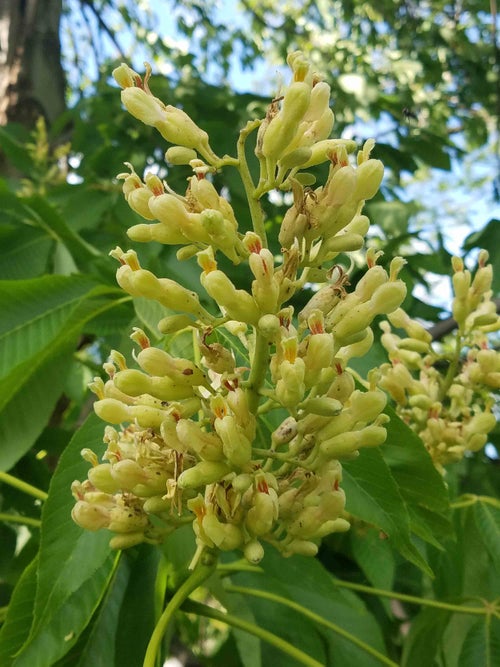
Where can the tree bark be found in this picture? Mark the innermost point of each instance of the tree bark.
(32, 81)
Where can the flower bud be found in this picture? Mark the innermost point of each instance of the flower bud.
(322, 405)
(301, 547)
(207, 445)
(135, 383)
(180, 155)
(159, 232)
(237, 303)
(112, 411)
(290, 387)
(125, 519)
(90, 516)
(369, 177)
(128, 473)
(236, 446)
(225, 536)
(143, 106)
(341, 186)
(261, 516)
(101, 477)
(126, 540)
(254, 551)
(366, 406)
(174, 323)
(282, 128)
(203, 473)
(388, 297)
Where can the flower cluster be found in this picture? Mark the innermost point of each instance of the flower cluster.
(244, 438)
(444, 392)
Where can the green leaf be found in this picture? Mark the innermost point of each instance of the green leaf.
(374, 556)
(487, 518)
(136, 619)
(14, 149)
(69, 555)
(426, 632)
(419, 483)
(481, 647)
(16, 627)
(97, 646)
(40, 325)
(247, 645)
(25, 251)
(74, 565)
(60, 630)
(373, 496)
(306, 582)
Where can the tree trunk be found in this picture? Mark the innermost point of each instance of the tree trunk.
(32, 81)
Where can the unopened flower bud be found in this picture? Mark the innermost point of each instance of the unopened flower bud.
(369, 177)
(203, 473)
(237, 448)
(261, 516)
(90, 516)
(128, 473)
(254, 551)
(180, 155)
(388, 297)
(126, 540)
(102, 479)
(322, 405)
(238, 303)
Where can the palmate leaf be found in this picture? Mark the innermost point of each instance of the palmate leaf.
(41, 321)
(421, 486)
(481, 647)
(19, 617)
(74, 566)
(306, 582)
(373, 496)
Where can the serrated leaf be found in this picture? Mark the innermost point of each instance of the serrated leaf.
(43, 213)
(69, 556)
(14, 149)
(16, 627)
(426, 632)
(481, 647)
(74, 566)
(41, 321)
(25, 251)
(306, 582)
(487, 519)
(248, 646)
(419, 483)
(373, 496)
(136, 619)
(99, 647)
(60, 630)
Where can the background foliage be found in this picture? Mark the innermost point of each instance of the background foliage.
(420, 77)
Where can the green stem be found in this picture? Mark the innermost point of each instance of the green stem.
(256, 212)
(452, 369)
(295, 653)
(17, 518)
(480, 611)
(260, 362)
(236, 566)
(314, 617)
(23, 486)
(196, 578)
(469, 499)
